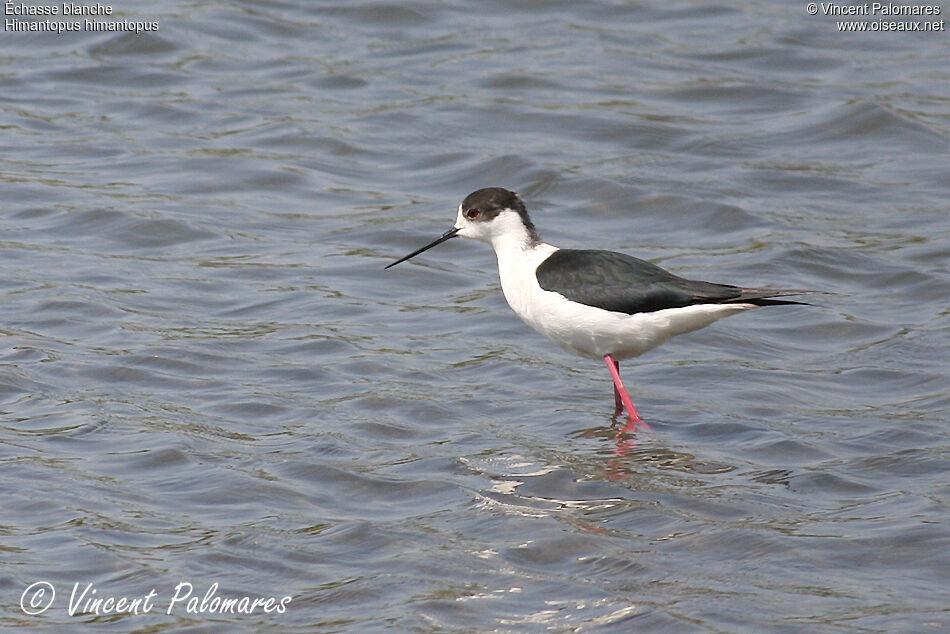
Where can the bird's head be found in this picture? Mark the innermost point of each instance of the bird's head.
(489, 215)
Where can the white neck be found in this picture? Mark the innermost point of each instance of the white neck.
(518, 257)
(508, 233)
(513, 243)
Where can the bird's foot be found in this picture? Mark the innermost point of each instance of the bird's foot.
(631, 423)
(626, 437)
(635, 424)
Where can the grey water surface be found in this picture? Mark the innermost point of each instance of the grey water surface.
(206, 377)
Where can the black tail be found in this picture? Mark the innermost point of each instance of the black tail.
(765, 297)
(770, 302)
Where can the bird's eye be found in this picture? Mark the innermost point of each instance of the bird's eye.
(472, 214)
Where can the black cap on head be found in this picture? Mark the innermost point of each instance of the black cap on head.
(491, 201)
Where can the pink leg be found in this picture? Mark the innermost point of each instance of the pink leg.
(618, 402)
(620, 392)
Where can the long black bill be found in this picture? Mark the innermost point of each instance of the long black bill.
(445, 236)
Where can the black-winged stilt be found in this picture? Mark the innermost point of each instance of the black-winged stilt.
(596, 304)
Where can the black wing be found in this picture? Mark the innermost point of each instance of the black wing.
(624, 284)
